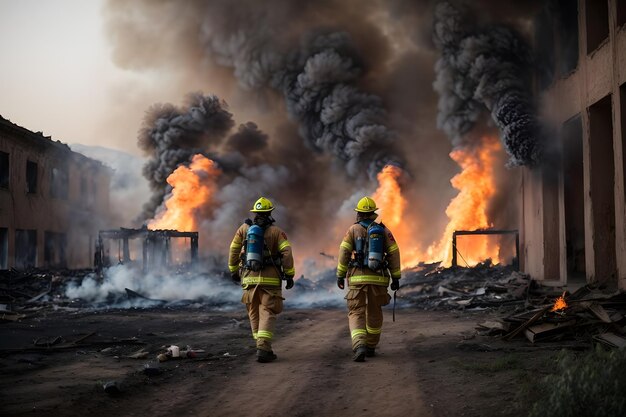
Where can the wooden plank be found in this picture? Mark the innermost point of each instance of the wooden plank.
(530, 321)
(544, 330)
(611, 339)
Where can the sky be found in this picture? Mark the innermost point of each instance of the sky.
(57, 76)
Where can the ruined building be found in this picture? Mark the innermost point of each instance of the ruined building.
(574, 208)
(53, 201)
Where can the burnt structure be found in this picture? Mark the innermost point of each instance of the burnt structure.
(574, 207)
(53, 201)
(484, 232)
(155, 248)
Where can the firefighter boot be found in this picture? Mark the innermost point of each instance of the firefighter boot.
(370, 352)
(265, 356)
(359, 354)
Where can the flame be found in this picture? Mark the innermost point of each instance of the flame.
(392, 210)
(389, 197)
(468, 210)
(193, 188)
(559, 304)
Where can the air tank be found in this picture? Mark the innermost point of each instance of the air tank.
(254, 248)
(376, 243)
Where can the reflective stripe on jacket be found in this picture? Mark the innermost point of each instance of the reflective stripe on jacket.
(276, 243)
(359, 276)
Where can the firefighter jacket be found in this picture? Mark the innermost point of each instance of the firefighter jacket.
(359, 275)
(277, 258)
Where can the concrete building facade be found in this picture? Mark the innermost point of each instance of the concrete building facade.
(573, 220)
(53, 201)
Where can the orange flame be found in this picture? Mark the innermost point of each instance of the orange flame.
(389, 197)
(192, 190)
(392, 205)
(559, 304)
(468, 210)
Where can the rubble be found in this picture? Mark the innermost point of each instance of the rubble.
(27, 291)
(430, 286)
(590, 315)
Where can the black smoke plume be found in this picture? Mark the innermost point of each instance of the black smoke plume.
(171, 135)
(317, 79)
(485, 67)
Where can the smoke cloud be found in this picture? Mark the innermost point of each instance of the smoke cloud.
(207, 287)
(485, 67)
(171, 136)
(317, 80)
(335, 90)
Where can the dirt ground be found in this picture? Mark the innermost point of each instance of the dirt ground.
(429, 364)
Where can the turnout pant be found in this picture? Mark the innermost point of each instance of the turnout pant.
(365, 314)
(263, 304)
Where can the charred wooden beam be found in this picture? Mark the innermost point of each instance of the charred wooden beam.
(485, 232)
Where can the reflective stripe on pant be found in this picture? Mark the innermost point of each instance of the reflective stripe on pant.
(263, 304)
(365, 315)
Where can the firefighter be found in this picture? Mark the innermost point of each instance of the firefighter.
(260, 258)
(368, 270)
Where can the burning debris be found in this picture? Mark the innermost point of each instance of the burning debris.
(587, 314)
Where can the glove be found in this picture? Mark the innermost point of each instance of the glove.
(234, 276)
(289, 283)
(341, 283)
(395, 284)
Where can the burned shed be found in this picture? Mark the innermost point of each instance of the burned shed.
(53, 201)
(155, 249)
(574, 207)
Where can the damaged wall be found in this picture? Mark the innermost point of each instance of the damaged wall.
(52, 201)
(574, 221)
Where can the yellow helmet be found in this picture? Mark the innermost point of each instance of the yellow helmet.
(262, 205)
(366, 205)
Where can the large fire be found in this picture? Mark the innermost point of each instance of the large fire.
(192, 190)
(392, 205)
(467, 211)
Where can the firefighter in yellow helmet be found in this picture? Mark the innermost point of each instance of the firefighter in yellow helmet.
(260, 258)
(368, 257)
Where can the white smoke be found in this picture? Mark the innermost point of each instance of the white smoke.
(213, 289)
(207, 288)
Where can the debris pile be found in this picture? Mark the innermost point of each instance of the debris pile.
(26, 291)
(589, 314)
(430, 286)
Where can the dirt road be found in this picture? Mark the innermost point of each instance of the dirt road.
(315, 376)
(420, 371)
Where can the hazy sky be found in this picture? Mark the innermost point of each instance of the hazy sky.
(56, 74)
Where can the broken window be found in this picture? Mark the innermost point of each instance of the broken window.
(4, 247)
(602, 189)
(544, 47)
(31, 177)
(568, 36)
(4, 170)
(25, 248)
(574, 197)
(621, 12)
(597, 23)
(59, 183)
(54, 249)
